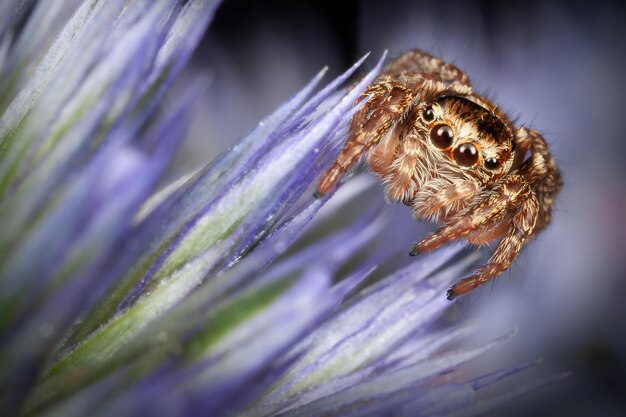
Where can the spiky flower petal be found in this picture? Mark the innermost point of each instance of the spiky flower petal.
(120, 300)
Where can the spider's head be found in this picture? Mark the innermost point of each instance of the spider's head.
(469, 133)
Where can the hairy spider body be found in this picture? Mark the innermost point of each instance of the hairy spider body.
(454, 158)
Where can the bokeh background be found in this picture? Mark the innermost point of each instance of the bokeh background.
(557, 67)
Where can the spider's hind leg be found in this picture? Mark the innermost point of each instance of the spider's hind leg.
(429, 66)
(542, 173)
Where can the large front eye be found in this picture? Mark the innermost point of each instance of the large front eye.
(466, 155)
(441, 136)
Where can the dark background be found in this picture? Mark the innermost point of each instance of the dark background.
(556, 66)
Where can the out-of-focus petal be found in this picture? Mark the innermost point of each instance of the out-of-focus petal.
(388, 387)
(10, 13)
(239, 216)
(42, 298)
(32, 43)
(386, 315)
(208, 328)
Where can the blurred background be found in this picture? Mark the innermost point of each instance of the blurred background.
(555, 66)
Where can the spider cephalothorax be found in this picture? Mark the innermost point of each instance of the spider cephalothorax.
(454, 157)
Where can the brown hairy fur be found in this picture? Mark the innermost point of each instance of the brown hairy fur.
(487, 181)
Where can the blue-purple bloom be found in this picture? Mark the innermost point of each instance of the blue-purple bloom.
(118, 299)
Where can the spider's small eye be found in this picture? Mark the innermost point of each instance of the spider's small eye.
(441, 136)
(429, 114)
(513, 146)
(491, 163)
(466, 155)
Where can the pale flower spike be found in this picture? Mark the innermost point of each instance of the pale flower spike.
(202, 298)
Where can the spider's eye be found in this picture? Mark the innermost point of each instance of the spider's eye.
(441, 136)
(491, 163)
(466, 155)
(429, 114)
(512, 146)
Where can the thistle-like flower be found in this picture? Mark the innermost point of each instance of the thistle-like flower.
(119, 300)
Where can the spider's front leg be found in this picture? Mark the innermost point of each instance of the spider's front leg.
(520, 230)
(483, 215)
(510, 208)
(387, 103)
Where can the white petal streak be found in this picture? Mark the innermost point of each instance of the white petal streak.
(46, 69)
(393, 382)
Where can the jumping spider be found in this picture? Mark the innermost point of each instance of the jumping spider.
(453, 157)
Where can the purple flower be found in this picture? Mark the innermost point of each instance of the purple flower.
(118, 299)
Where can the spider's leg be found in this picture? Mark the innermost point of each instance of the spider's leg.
(438, 199)
(388, 102)
(490, 210)
(401, 179)
(542, 174)
(416, 61)
(520, 230)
